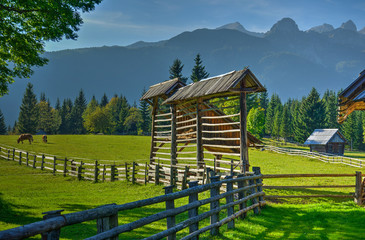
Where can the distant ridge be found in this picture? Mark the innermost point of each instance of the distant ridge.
(287, 60)
(322, 28)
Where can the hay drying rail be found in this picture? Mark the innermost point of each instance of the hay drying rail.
(359, 186)
(248, 190)
(164, 172)
(328, 158)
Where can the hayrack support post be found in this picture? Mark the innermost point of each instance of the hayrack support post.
(173, 136)
(55, 234)
(243, 130)
(157, 174)
(185, 178)
(193, 212)
(170, 205)
(153, 129)
(213, 205)
(199, 134)
(145, 174)
(107, 223)
(229, 199)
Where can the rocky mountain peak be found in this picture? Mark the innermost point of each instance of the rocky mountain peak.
(285, 25)
(349, 25)
(325, 27)
(233, 26)
(362, 31)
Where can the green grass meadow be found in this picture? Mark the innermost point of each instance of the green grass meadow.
(25, 193)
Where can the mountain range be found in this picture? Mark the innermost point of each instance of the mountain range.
(287, 60)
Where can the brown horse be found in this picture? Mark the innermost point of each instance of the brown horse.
(44, 138)
(25, 136)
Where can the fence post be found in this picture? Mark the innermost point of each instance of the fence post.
(65, 167)
(34, 160)
(73, 167)
(27, 159)
(213, 205)
(104, 170)
(133, 173)
(112, 172)
(42, 163)
(229, 199)
(20, 158)
(55, 234)
(54, 165)
(358, 197)
(171, 175)
(231, 167)
(257, 171)
(107, 223)
(193, 212)
(170, 205)
(9, 155)
(242, 184)
(215, 164)
(96, 171)
(145, 174)
(126, 172)
(256, 210)
(79, 171)
(13, 154)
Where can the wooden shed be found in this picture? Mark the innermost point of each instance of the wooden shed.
(352, 98)
(326, 141)
(188, 124)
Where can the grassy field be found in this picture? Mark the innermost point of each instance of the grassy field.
(25, 193)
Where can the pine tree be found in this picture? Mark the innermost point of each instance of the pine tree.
(76, 114)
(146, 114)
(252, 101)
(277, 121)
(198, 73)
(124, 112)
(42, 97)
(263, 100)
(330, 104)
(176, 70)
(3, 130)
(58, 105)
(28, 115)
(104, 100)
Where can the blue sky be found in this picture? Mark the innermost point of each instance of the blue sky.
(116, 22)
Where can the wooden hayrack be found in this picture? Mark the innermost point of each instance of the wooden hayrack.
(188, 127)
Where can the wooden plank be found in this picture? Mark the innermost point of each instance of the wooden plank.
(219, 117)
(308, 196)
(307, 175)
(308, 186)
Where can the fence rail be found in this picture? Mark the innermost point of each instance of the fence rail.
(159, 172)
(246, 189)
(324, 157)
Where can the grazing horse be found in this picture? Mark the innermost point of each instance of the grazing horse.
(25, 136)
(44, 138)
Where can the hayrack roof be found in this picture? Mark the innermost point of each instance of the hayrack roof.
(224, 85)
(352, 98)
(163, 88)
(323, 136)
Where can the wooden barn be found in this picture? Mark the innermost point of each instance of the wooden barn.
(190, 124)
(326, 141)
(352, 98)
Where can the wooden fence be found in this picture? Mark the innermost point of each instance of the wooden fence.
(93, 170)
(358, 186)
(241, 194)
(324, 157)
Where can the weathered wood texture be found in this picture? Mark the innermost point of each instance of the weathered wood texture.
(107, 222)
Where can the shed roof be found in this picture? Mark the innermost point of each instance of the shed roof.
(352, 98)
(221, 84)
(163, 88)
(323, 136)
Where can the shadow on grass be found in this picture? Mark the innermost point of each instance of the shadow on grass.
(15, 214)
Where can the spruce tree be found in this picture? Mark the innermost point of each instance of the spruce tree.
(145, 113)
(277, 121)
(104, 100)
(263, 100)
(285, 123)
(270, 113)
(176, 70)
(58, 105)
(28, 115)
(311, 116)
(65, 113)
(198, 73)
(3, 130)
(330, 104)
(123, 114)
(76, 114)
